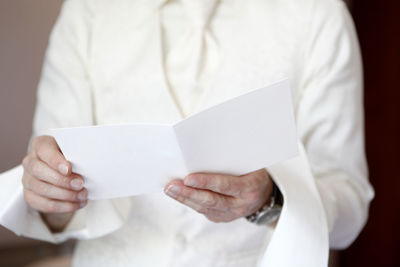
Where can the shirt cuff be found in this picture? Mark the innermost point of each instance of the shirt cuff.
(97, 219)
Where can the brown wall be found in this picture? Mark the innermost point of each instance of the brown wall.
(24, 30)
(378, 25)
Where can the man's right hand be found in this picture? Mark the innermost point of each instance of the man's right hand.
(50, 187)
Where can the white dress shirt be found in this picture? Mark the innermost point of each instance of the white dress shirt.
(111, 62)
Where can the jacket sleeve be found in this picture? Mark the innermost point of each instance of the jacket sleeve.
(330, 120)
(64, 99)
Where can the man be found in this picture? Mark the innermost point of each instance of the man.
(158, 61)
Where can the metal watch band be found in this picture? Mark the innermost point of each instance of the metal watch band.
(270, 211)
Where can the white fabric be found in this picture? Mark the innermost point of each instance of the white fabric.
(190, 60)
(105, 65)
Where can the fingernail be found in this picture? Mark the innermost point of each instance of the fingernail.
(77, 184)
(172, 190)
(63, 169)
(82, 196)
(83, 204)
(190, 182)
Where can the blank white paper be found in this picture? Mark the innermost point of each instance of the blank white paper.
(243, 134)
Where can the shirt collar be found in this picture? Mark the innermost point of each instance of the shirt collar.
(200, 11)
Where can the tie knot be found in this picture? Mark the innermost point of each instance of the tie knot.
(199, 11)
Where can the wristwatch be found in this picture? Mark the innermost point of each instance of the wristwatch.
(270, 211)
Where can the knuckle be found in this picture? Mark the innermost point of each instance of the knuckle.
(219, 176)
(27, 197)
(253, 196)
(54, 159)
(201, 209)
(229, 204)
(25, 181)
(35, 141)
(51, 206)
(65, 180)
(203, 180)
(262, 177)
(68, 207)
(240, 212)
(72, 196)
(208, 181)
(74, 207)
(35, 167)
(25, 161)
(181, 198)
(42, 145)
(41, 188)
(40, 149)
(59, 180)
(209, 200)
(48, 138)
(221, 183)
(230, 187)
(251, 184)
(39, 140)
(264, 173)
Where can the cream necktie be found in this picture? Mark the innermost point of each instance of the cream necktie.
(194, 57)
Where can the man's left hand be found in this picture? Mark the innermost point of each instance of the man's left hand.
(222, 198)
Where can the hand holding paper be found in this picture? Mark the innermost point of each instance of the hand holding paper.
(236, 137)
(49, 184)
(223, 198)
(247, 133)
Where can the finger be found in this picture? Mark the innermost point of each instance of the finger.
(219, 183)
(228, 184)
(210, 213)
(41, 171)
(47, 150)
(47, 205)
(219, 217)
(195, 206)
(216, 216)
(205, 199)
(54, 192)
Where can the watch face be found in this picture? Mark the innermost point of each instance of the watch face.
(269, 216)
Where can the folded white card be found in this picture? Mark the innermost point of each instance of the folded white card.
(241, 135)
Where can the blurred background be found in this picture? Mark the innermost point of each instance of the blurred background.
(24, 29)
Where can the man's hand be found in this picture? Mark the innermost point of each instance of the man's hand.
(49, 185)
(222, 198)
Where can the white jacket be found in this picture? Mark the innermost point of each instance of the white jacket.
(104, 65)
